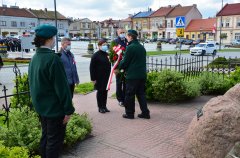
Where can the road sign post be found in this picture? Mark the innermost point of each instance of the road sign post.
(180, 26)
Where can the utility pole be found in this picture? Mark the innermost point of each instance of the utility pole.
(220, 31)
(55, 10)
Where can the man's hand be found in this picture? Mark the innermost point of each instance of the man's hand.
(66, 119)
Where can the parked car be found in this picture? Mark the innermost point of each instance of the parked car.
(236, 42)
(204, 49)
(75, 39)
(173, 41)
(153, 40)
(188, 42)
(162, 40)
(197, 41)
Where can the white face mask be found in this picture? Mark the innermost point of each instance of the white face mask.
(68, 47)
(122, 35)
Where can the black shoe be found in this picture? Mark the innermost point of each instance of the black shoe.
(106, 110)
(145, 116)
(101, 110)
(121, 104)
(128, 116)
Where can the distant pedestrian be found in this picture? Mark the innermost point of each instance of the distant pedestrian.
(100, 68)
(134, 63)
(120, 79)
(49, 91)
(69, 64)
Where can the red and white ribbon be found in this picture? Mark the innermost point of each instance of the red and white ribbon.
(119, 53)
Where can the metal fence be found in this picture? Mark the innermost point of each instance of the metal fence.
(191, 67)
(5, 98)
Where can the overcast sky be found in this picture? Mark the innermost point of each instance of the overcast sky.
(97, 10)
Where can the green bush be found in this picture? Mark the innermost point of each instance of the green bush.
(151, 77)
(84, 88)
(235, 76)
(170, 87)
(24, 130)
(14, 152)
(78, 128)
(213, 84)
(22, 87)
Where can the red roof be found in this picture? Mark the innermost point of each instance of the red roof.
(17, 12)
(201, 24)
(163, 11)
(230, 9)
(180, 11)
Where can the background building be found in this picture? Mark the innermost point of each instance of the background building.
(230, 14)
(189, 12)
(158, 22)
(14, 21)
(141, 23)
(201, 29)
(48, 17)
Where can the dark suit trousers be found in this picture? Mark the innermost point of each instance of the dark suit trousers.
(120, 88)
(72, 86)
(102, 98)
(135, 87)
(53, 131)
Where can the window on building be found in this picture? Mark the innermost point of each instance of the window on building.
(171, 23)
(60, 26)
(198, 35)
(2, 23)
(168, 24)
(75, 27)
(32, 24)
(227, 23)
(83, 25)
(193, 36)
(237, 36)
(22, 24)
(89, 25)
(144, 24)
(13, 23)
(238, 22)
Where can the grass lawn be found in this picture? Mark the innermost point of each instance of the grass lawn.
(166, 52)
(230, 50)
(84, 88)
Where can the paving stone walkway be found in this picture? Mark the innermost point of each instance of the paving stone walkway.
(115, 137)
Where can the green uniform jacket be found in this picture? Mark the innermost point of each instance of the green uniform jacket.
(134, 61)
(49, 88)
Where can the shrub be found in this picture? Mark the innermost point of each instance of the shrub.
(235, 77)
(151, 77)
(170, 87)
(213, 84)
(24, 130)
(84, 88)
(24, 99)
(14, 152)
(78, 128)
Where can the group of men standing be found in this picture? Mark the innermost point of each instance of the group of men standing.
(52, 80)
(133, 65)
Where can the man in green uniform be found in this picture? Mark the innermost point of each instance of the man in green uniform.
(49, 91)
(134, 64)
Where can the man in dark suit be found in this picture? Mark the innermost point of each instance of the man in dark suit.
(134, 64)
(69, 64)
(120, 81)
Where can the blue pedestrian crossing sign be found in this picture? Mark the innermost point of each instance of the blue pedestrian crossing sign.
(180, 22)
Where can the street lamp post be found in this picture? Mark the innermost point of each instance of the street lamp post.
(220, 31)
(55, 11)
